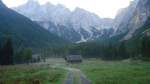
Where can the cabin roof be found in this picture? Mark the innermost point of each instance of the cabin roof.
(74, 57)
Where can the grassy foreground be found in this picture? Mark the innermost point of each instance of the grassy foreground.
(99, 72)
(125, 72)
(31, 74)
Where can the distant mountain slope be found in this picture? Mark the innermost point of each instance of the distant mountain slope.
(23, 31)
(77, 26)
(144, 30)
(132, 19)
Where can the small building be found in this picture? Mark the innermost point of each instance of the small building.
(36, 58)
(74, 58)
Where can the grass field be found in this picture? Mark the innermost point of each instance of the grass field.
(31, 74)
(98, 71)
(125, 72)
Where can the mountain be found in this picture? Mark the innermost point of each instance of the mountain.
(131, 19)
(77, 26)
(24, 32)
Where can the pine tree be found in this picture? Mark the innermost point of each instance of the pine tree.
(6, 57)
(122, 53)
(145, 48)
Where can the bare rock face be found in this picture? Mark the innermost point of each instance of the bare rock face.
(77, 26)
(133, 18)
(23, 31)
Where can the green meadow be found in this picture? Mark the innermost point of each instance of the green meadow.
(31, 74)
(96, 70)
(116, 72)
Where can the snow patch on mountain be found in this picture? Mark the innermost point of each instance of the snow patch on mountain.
(58, 19)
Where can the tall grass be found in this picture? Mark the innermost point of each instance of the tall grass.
(31, 74)
(101, 72)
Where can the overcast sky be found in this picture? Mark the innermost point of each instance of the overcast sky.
(103, 8)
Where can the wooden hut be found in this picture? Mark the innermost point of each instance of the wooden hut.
(74, 58)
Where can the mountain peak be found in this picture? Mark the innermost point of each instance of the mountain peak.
(48, 4)
(85, 13)
(61, 5)
(77, 9)
(32, 3)
(79, 24)
(2, 4)
(19, 27)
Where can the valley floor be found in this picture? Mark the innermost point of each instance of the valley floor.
(91, 71)
(40, 73)
(119, 72)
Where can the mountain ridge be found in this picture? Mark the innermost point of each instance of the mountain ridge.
(79, 23)
(23, 31)
(133, 18)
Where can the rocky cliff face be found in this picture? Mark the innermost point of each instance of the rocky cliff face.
(24, 32)
(132, 18)
(77, 26)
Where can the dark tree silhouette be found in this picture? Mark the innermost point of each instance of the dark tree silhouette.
(145, 47)
(122, 52)
(6, 57)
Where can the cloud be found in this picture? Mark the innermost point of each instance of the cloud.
(103, 8)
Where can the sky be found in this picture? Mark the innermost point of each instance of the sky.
(103, 8)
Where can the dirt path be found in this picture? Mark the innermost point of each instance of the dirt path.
(69, 79)
(84, 79)
(75, 76)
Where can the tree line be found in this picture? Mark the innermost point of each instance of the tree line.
(23, 55)
(106, 50)
(9, 55)
(109, 50)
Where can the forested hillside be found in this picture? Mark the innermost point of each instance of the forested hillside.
(23, 31)
(20, 38)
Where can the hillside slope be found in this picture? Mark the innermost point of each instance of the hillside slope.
(132, 19)
(77, 26)
(23, 31)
